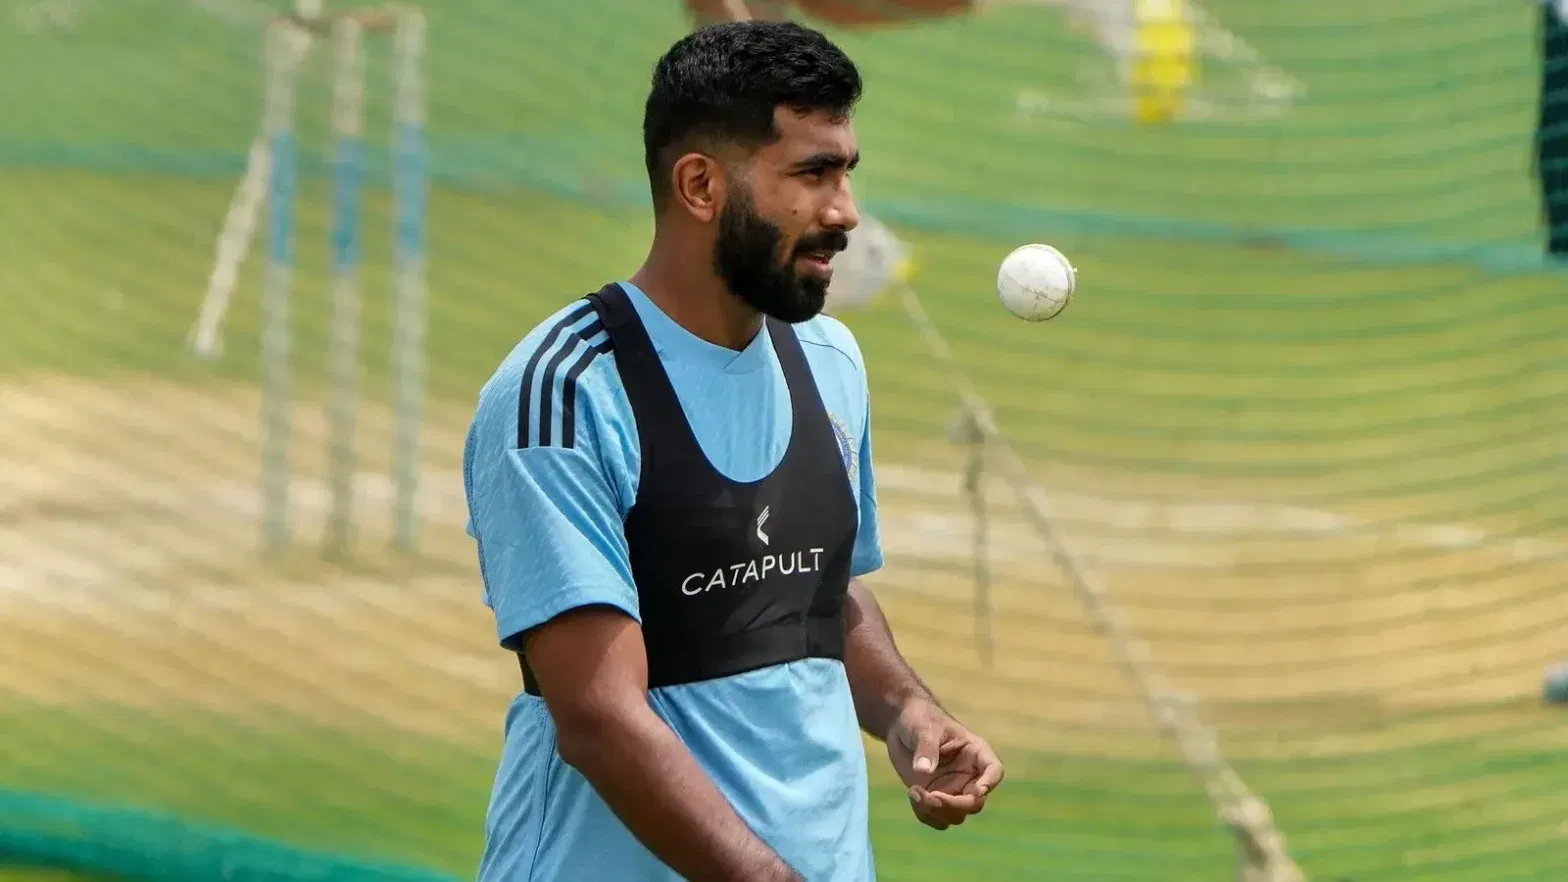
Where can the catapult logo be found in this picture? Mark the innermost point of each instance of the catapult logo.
(758, 569)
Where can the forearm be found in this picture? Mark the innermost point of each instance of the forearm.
(879, 678)
(657, 789)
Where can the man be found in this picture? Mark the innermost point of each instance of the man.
(670, 485)
(1551, 142)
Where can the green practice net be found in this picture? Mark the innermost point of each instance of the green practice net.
(1305, 423)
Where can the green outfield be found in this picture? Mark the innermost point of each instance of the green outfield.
(1427, 814)
(1305, 416)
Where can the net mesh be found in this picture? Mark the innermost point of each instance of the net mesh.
(1304, 422)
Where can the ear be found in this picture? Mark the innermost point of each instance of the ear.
(699, 183)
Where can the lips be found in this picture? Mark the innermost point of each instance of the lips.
(816, 252)
(817, 263)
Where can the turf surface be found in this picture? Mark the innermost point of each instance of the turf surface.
(396, 798)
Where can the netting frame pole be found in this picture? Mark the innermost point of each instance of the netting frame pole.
(410, 196)
(348, 170)
(1261, 848)
(409, 167)
(279, 81)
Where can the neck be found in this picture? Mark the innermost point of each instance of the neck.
(690, 292)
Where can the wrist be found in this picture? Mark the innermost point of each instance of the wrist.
(909, 704)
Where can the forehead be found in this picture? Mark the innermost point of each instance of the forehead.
(806, 134)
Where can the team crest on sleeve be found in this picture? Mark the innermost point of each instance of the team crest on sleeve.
(846, 446)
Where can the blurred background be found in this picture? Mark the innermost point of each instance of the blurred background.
(1305, 421)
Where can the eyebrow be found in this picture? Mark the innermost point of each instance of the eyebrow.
(828, 159)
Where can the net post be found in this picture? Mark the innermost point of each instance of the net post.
(279, 75)
(348, 110)
(409, 196)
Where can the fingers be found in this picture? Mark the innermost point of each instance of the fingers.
(942, 810)
(991, 773)
(974, 755)
(929, 810)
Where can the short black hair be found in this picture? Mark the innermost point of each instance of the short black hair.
(724, 81)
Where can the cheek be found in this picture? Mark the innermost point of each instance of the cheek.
(791, 207)
(797, 222)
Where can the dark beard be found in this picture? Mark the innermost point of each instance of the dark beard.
(749, 257)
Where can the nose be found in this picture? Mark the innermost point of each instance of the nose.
(840, 212)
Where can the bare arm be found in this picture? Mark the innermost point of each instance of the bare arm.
(949, 770)
(593, 672)
(881, 682)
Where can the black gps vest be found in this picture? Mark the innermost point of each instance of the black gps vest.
(731, 576)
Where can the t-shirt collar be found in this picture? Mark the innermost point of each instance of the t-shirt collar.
(675, 343)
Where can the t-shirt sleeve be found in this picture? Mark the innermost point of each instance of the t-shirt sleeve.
(867, 556)
(548, 519)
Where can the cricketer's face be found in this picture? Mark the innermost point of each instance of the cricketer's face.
(783, 222)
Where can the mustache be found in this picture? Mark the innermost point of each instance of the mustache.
(830, 241)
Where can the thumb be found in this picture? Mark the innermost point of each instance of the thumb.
(927, 745)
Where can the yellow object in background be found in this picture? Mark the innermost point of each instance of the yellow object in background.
(1165, 59)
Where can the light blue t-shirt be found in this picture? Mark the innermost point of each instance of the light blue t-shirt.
(781, 743)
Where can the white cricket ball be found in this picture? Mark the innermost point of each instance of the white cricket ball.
(1036, 282)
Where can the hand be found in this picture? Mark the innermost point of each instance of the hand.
(949, 770)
